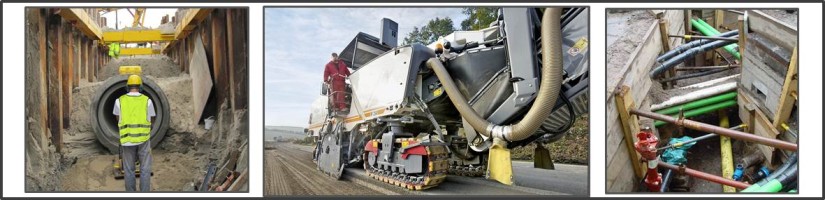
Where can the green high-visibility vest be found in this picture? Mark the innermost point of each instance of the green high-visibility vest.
(134, 127)
(114, 50)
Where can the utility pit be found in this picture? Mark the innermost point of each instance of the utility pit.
(747, 76)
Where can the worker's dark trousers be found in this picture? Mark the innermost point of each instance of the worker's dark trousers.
(131, 154)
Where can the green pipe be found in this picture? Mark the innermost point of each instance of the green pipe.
(752, 188)
(702, 110)
(708, 30)
(772, 186)
(697, 104)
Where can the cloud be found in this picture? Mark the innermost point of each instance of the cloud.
(298, 41)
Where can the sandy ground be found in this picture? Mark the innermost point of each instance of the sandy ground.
(152, 65)
(172, 172)
(180, 158)
(784, 16)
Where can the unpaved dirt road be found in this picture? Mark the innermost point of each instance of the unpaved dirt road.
(290, 171)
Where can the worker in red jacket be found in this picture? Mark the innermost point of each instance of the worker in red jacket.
(335, 75)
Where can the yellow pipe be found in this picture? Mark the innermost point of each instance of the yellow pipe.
(727, 152)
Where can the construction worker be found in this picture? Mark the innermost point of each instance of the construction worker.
(114, 50)
(335, 75)
(135, 113)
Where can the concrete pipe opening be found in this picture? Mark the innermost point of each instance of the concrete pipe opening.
(104, 122)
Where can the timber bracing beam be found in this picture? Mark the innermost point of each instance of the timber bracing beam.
(82, 21)
(187, 24)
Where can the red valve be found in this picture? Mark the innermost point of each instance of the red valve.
(646, 146)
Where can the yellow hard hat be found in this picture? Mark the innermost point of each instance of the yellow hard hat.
(134, 80)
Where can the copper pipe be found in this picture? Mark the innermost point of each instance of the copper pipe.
(699, 126)
(705, 176)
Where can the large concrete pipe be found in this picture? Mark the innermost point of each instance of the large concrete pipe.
(104, 122)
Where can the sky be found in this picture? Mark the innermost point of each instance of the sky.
(152, 19)
(298, 43)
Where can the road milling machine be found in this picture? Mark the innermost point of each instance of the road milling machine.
(456, 106)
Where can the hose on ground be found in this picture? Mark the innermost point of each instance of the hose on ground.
(546, 96)
(664, 66)
(684, 47)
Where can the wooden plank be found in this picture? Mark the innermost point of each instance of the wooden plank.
(758, 122)
(620, 175)
(219, 56)
(83, 21)
(648, 50)
(201, 80)
(241, 58)
(66, 83)
(230, 48)
(72, 59)
(786, 102)
(630, 126)
(240, 182)
(55, 105)
(780, 32)
(718, 20)
(43, 77)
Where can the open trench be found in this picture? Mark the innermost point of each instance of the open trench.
(179, 158)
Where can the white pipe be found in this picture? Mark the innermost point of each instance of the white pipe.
(710, 82)
(698, 94)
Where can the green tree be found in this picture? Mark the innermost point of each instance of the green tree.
(430, 32)
(478, 18)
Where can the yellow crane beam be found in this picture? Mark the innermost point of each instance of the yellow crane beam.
(139, 51)
(136, 36)
(82, 21)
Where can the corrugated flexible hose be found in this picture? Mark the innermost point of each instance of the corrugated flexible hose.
(546, 97)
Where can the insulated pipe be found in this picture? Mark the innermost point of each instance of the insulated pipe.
(695, 95)
(710, 82)
(697, 104)
(684, 47)
(545, 98)
(705, 176)
(694, 75)
(708, 30)
(104, 122)
(699, 126)
(703, 110)
(678, 59)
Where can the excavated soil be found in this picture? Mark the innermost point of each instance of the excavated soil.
(158, 66)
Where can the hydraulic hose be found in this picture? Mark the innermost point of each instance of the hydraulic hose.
(546, 97)
(672, 62)
(684, 47)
